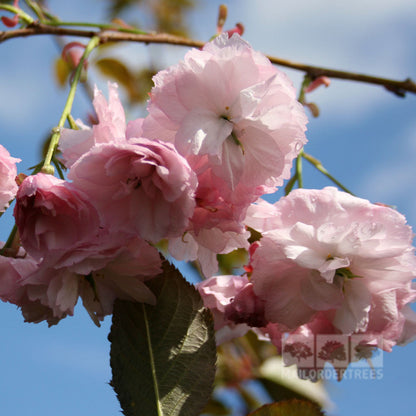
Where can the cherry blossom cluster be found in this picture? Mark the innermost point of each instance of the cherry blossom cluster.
(328, 263)
(222, 130)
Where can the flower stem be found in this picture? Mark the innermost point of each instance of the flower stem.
(102, 26)
(318, 165)
(36, 9)
(47, 167)
(19, 12)
(291, 183)
(11, 247)
(306, 81)
(299, 169)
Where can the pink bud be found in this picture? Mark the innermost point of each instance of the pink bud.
(318, 82)
(73, 56)
(313, 108)
(222, 17)
(239, 28)
(10, 22)
(15, 20)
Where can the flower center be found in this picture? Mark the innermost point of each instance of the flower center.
(346, 273)
(233, 134)
(134, 182)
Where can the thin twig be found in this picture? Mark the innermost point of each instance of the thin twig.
(397, 87)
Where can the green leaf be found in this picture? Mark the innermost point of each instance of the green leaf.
(136, 84)
(236, 259)
(118, 6)
(289, 408)
(163, 356)
(116, 70)
(217, 408)
(283, 383)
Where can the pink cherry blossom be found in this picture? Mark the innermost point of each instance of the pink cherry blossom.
(77, 255)
(229, 103)
(51, 215)
(8, 172)
(246, 308)
(217, 294)
(218, 206)
(12, 272)
(205, 245)
(141, 186)
(111, 127)
(98, 273)
(337, 253)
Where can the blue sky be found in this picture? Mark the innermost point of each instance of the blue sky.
(365, 136)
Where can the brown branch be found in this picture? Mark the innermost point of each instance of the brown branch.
(397, 87)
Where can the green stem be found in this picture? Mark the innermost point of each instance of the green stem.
(36, 9)
(102, 26)
(291, 184)
(72, 123)
(47, 167)
(24, 16)
(305, 83)
(299, 169)
(318, 165)
(58, 168)
(152, 362)
(10, 240)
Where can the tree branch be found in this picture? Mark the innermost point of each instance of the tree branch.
(126, 35)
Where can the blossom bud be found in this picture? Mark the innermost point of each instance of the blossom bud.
(239, 29)
(317, 83)
(222, 17)
(72, 54)
(14, 20)
(314, 109)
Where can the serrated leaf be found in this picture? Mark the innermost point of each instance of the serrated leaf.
(289, 408)
(163, 356)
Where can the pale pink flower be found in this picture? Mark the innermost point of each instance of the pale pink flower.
(262, 216)
(333, 252)
(391, 320)
(111, 127)
(229, 103)
(217, 293)
(8, 172)
(98, 273)
(246, 308)
(205, 245)
(12, 272)
(52, 215)
(215, 206)
(77, 255)
(141, 186)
